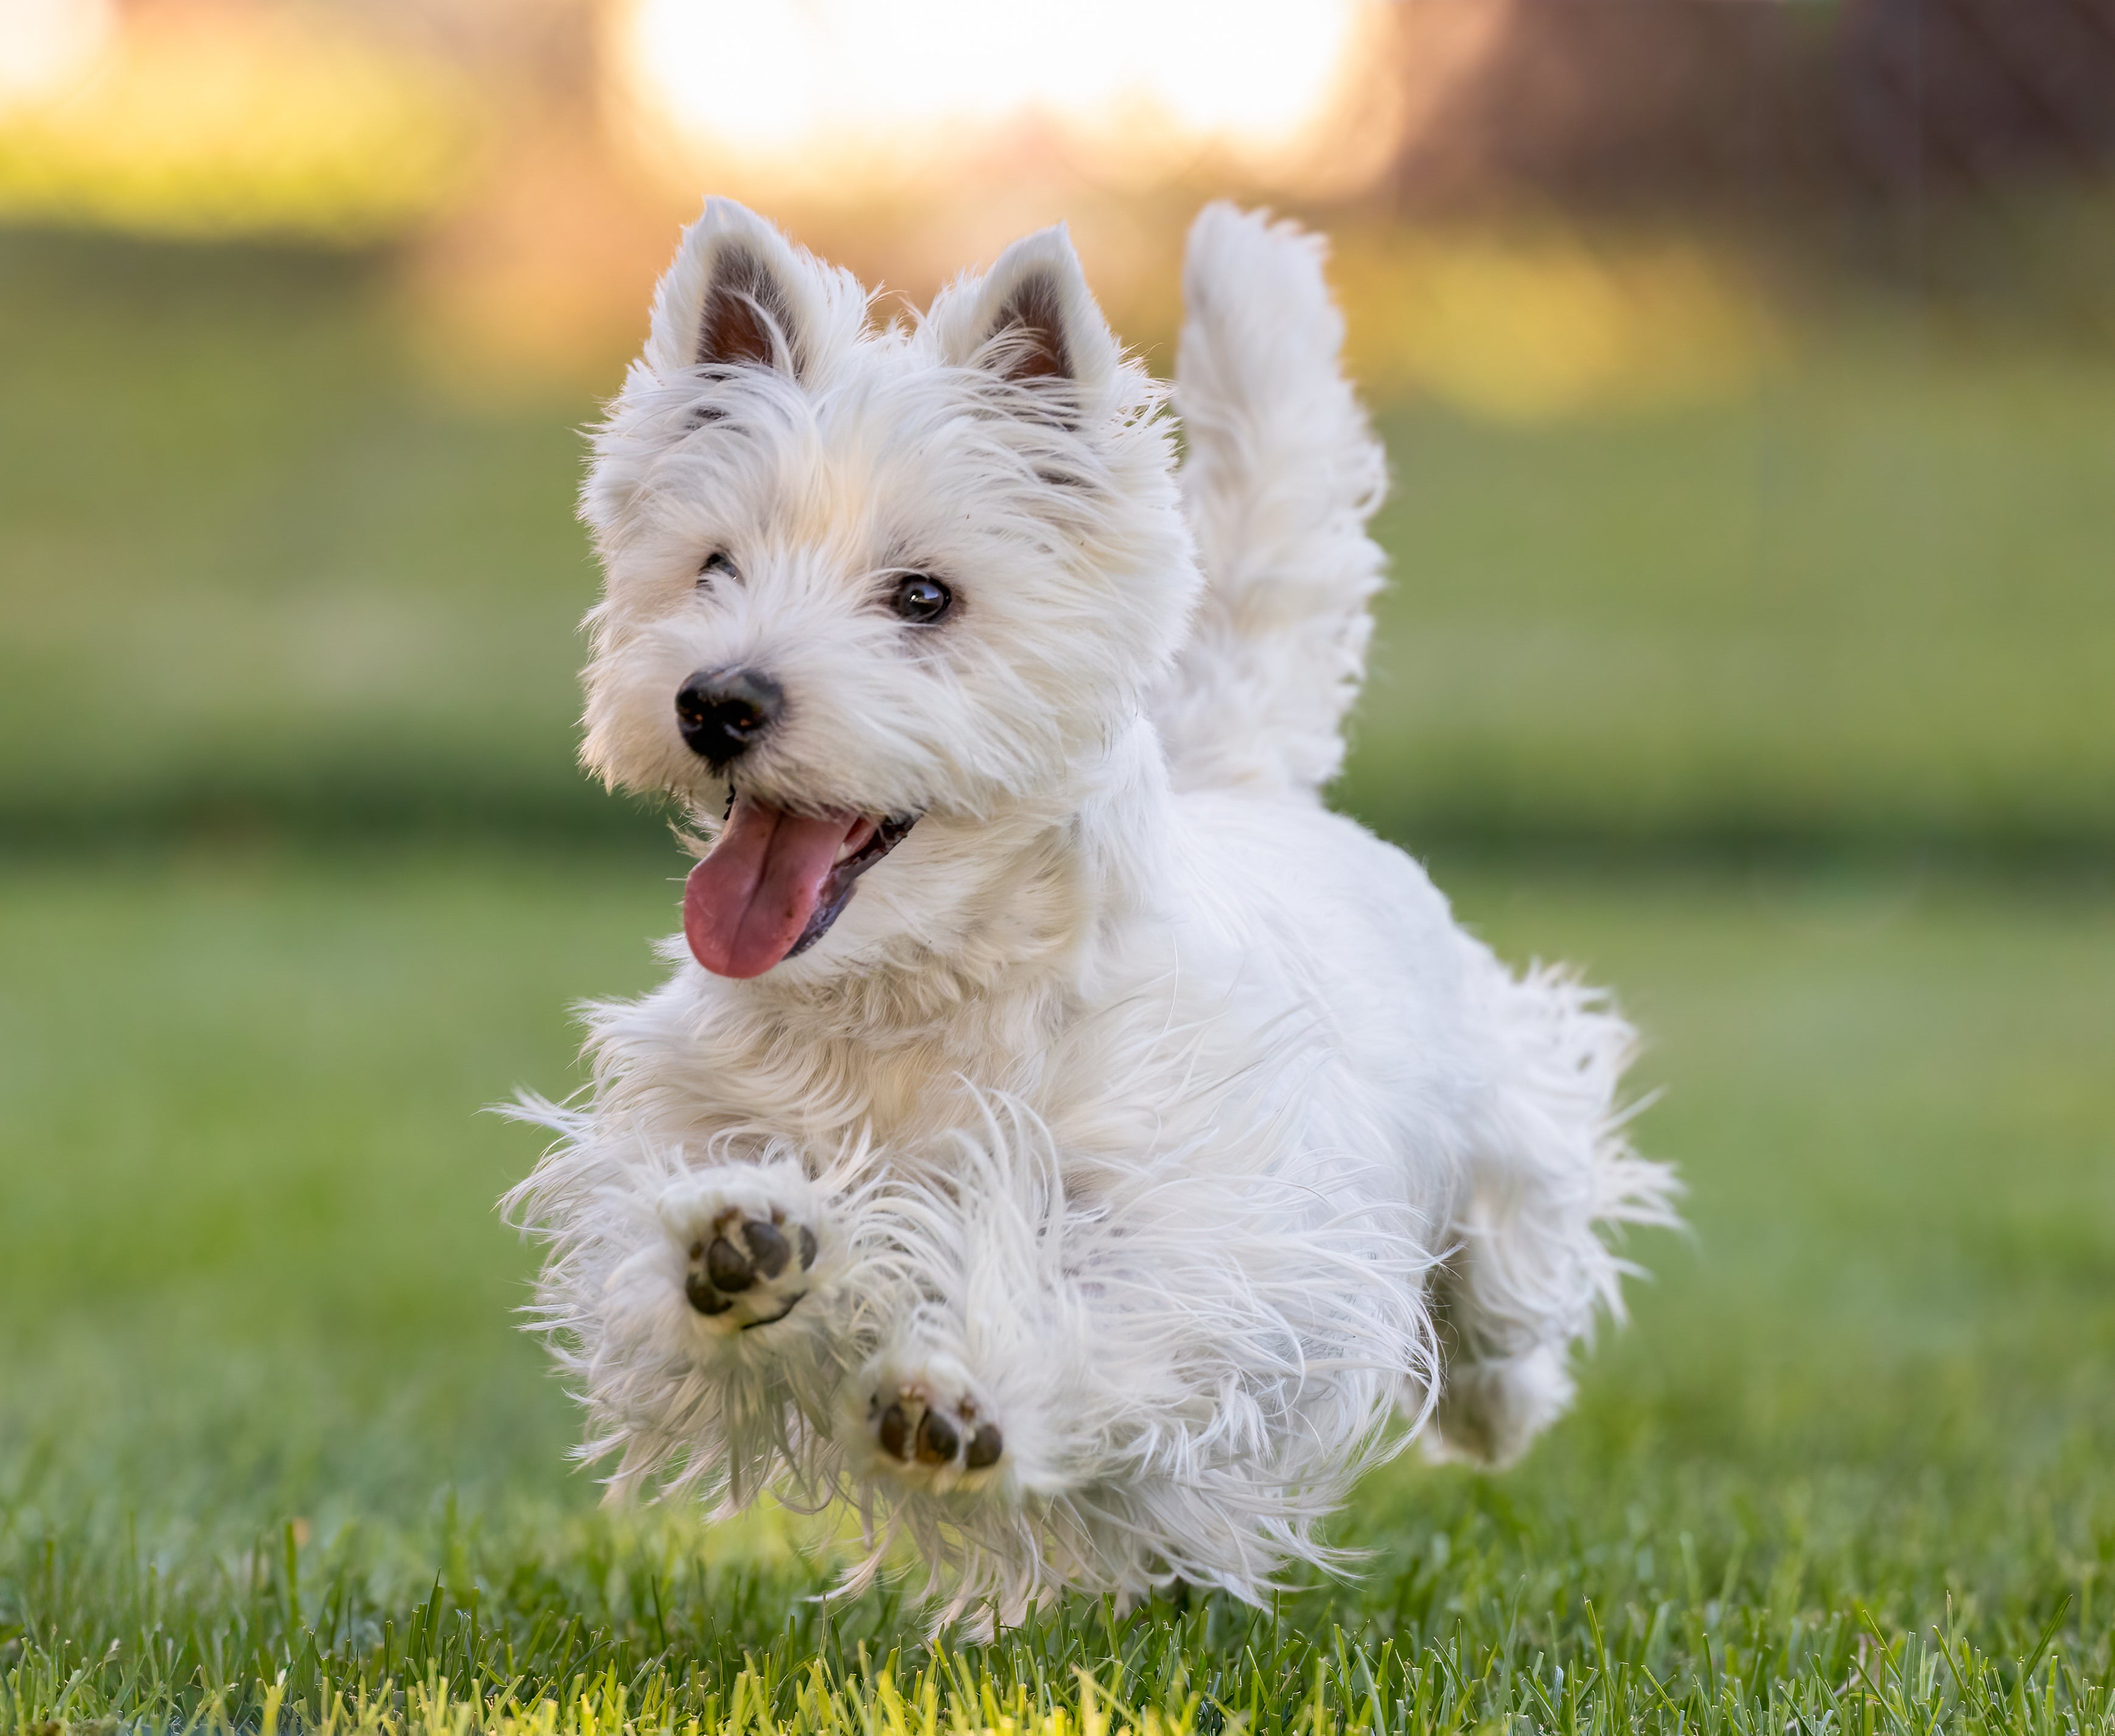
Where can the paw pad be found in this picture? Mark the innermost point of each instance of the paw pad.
(741, 1252)
(914, 1429)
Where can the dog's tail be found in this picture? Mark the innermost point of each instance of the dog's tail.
(1282, 473)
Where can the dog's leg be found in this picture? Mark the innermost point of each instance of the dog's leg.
(940, 1403)
(1549, 1175)
(1159, 1370)
(710, 1312)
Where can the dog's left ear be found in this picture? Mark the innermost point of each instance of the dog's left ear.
(1032, 320)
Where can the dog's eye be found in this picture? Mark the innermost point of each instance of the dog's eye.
(719, 565)
(921, 598)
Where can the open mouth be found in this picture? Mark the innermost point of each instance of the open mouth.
(771, 886)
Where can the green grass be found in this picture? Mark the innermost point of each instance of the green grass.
(263, 1411)
(1871, 604)
(252, 574)
(255, 575)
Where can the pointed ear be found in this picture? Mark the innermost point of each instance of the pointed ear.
(746, 317)
(1031, 319)
(738, 295)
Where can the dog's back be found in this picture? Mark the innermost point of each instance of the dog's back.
(1282, 474)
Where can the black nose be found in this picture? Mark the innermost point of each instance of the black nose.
(722, 712)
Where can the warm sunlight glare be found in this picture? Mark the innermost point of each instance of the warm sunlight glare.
(46, 45)
(777, 81)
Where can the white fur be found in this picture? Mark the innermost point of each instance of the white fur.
(1137, 1103)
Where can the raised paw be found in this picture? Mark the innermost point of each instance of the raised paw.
(921, 1423)
(748, 1258)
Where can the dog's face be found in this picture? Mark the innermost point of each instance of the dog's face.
(861, 581)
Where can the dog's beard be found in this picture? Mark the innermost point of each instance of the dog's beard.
(775, 882)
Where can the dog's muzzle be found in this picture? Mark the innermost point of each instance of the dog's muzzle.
(722, 713)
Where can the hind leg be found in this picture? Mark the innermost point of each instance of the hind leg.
(1550, 1176)
(1506, 1378)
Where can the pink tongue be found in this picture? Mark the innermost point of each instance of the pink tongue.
(747, 902)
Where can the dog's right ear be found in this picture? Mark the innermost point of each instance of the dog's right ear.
(738, 295)
(1031, 320)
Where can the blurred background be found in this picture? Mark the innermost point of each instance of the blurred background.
(1745, 367)
(1748, 372)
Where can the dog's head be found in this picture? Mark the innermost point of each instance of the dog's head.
(860, 580)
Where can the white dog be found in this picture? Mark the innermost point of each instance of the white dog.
(1061, 1136)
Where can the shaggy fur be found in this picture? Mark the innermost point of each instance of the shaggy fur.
(1150, 1132)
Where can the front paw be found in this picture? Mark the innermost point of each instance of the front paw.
(751, 1244)
(749, 1268)
(925, 1425)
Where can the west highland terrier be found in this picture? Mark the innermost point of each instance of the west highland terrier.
(1062, 1137)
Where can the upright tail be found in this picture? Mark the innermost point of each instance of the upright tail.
(1282, 473)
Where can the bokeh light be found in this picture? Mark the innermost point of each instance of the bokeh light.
(46, 45)
(847, 82)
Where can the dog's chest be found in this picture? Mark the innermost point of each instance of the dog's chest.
(828, 1088)
(1102, 1084)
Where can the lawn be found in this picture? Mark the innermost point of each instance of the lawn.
(1848, 1466)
